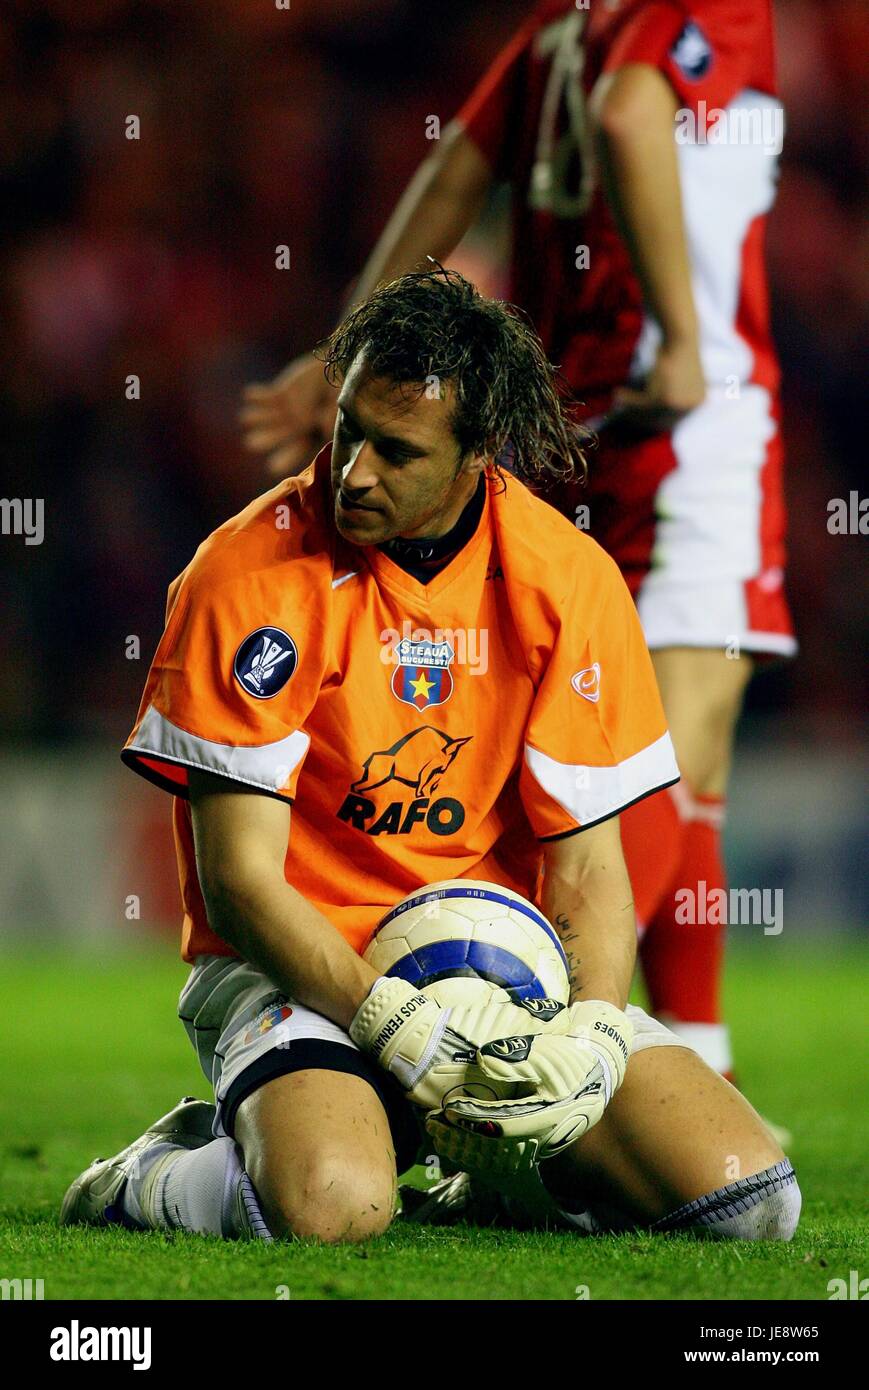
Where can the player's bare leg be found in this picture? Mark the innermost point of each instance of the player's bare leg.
(675, 1131)
(682, 961)
(318, 1149)
(678, 1148)
(702, 691)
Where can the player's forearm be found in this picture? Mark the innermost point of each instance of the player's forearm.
(281, 933)
(593, 912)
(634, 112)
(440, 204)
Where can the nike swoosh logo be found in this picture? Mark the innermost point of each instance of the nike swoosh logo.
(336, 583)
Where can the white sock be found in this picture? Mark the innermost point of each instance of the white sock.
(133, 1187)
(204, 1190)
(765, 1206)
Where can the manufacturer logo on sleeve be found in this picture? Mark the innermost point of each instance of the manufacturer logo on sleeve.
(587, 682)
(265, 661)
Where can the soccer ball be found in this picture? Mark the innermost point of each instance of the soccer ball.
(464, 932)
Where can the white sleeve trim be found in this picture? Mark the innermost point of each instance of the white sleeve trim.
(591, 794)
(270, 766)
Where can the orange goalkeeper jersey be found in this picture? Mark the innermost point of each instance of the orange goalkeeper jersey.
(421, 731)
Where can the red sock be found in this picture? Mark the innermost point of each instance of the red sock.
(682, 960)
(652, 844)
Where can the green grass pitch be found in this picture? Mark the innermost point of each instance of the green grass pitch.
(91, 1053)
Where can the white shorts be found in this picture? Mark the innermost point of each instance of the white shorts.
(246, 1032)
(695, 520)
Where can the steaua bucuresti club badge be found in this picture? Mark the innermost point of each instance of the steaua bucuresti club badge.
(422, 677)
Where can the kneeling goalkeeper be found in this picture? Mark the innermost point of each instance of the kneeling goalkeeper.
(400, 667)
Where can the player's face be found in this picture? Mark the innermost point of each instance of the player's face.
(396, 465)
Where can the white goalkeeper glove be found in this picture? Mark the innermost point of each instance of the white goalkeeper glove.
(570, 1071)
(433, 1050)
(465, 1151)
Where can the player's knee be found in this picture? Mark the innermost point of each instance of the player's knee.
(331, 1199)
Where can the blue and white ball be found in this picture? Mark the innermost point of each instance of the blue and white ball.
(461, 929)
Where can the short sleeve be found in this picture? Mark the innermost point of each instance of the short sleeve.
(596, 740)
(708, 50)
(230, 688)
(488, 114)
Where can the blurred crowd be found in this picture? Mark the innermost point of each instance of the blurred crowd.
(263, 126)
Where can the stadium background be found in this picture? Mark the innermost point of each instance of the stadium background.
(262, 127)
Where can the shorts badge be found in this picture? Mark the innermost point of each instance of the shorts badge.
(267, 1021)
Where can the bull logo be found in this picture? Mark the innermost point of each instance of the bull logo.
(418, 760)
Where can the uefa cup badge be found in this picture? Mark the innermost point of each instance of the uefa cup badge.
(422, 676)
(265, 661)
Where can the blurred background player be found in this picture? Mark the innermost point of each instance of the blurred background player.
(639, 141)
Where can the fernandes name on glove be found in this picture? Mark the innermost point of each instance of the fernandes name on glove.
(433, 1050)
(570, 1072)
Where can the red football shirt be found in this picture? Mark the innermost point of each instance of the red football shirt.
(528, 116)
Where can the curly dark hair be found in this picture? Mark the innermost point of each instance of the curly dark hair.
(510, 403)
